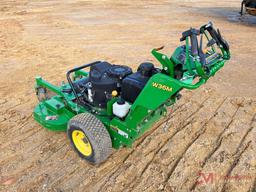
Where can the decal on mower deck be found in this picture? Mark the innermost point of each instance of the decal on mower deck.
(161, 86)
(120, 132)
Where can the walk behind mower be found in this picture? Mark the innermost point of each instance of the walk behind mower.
(109, 105)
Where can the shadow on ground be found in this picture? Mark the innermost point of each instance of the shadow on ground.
(229, 13)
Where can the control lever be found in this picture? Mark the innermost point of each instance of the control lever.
(201, 53)
(159, 48)
(216, 35)
(211, 43)
(223, 41)
(192, 33)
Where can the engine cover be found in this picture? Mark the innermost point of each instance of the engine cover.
(134, 83)
(105, 78)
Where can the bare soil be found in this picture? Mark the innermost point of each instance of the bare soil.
(206, 143)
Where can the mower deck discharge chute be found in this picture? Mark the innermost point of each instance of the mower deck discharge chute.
(111, 106)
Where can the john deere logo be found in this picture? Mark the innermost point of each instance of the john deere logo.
(161, 86)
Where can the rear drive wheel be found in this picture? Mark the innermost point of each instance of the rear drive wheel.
(89, 138)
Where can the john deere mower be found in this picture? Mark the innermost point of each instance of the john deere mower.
(104, 105)
(250, 7)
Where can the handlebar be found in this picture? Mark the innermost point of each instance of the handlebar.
(192, 33)
(76, 69)
(197, 52)
(193, 61)
(216, 35)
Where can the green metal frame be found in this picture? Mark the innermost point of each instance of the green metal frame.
(159, 93)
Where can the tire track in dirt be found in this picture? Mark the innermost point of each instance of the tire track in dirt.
(237, 155)
(24, 150)
(160, 147)
(243, 167)
(199, 134)
(23, 160)
(169, 164)
(29, 130)
(128, 174)
(47, 164)
(14, 121)
(192, 161)
(15, 145)
(15, 127)
(223, 158)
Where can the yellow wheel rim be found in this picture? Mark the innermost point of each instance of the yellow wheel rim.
(81, 142)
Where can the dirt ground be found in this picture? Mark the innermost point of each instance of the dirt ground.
(207, 143)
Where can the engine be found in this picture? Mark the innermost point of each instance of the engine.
(135, 82)
(106, 81)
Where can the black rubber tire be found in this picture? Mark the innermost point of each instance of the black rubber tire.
(96, 133)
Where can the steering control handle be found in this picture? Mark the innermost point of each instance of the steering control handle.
(192, 33)
(215, 35)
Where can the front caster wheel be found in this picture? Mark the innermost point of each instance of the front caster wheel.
(89, 138)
